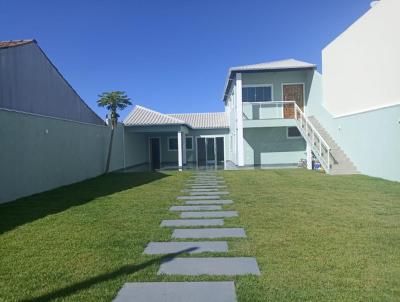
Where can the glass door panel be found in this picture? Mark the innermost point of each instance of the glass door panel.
(210, 145)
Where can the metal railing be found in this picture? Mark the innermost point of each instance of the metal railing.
(290, 110)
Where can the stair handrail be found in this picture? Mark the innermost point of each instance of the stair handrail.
(314, 133)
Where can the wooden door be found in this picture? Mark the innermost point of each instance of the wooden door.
(292, 92)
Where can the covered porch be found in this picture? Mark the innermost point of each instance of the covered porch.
(165, 145)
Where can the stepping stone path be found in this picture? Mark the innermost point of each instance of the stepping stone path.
(154, 248)
(192, 222)
(203, 203)
(208, 193)
(209, 214)
(198, 197)
(177, 292)
(195, 208)
(209, 233)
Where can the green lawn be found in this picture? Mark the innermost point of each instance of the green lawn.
(315, 237)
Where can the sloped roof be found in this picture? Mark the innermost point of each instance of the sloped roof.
(208, 120)
(13, 43)
(287, 64)
(141, 116)
(282, 64)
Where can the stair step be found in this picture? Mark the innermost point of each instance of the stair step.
(341, 163)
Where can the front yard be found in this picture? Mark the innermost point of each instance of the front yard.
(315, 237)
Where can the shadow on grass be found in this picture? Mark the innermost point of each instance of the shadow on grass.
(125, 270)
(28, 209)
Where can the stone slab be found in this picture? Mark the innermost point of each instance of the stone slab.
(201, 190)
(205, 202)
(196, 208)
(215, 266)
(162, 248)
(209, 193)
(210, 214)
(207, 179)
(205, 187)
(197, 197)
(195, 184)
(209, 233)
(191, 222)
(221, 291)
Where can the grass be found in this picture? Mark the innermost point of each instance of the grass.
(315, 237)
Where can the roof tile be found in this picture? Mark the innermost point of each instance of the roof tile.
(141, 116)
(14, 43)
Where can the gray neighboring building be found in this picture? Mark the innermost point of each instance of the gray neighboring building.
(29, 82)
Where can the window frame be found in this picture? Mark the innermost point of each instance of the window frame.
(169, 149)
(191, 138)
(259, 85)
(292, 137)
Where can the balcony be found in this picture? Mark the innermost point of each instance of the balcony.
(268, 114)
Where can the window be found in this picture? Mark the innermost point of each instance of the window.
(257, 94)
(293, 132)
(189, 143)
(172, 143)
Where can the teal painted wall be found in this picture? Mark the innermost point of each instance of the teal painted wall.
(136, 149)
(41, 153)
(278, 78)
(265, 146)
(370, 139)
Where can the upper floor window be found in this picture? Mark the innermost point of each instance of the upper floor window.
(257, 94)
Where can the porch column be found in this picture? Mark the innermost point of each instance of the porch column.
(239, 121)
(184, 159)
(309, 157)
(180, 151)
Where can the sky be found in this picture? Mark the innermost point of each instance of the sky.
(169, 55)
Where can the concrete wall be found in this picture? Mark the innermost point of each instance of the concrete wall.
(359, 103)
(270, 146)
(136, 149)
(361, 66)
(30, 83)
(40, 153)
(370, 139)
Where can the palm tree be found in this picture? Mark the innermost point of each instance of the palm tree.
(113, 101)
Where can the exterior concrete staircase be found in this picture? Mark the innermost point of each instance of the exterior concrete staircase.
(340, 162)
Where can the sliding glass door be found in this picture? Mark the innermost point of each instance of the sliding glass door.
(210, 151)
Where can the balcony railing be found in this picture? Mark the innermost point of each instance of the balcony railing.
(268, 110)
